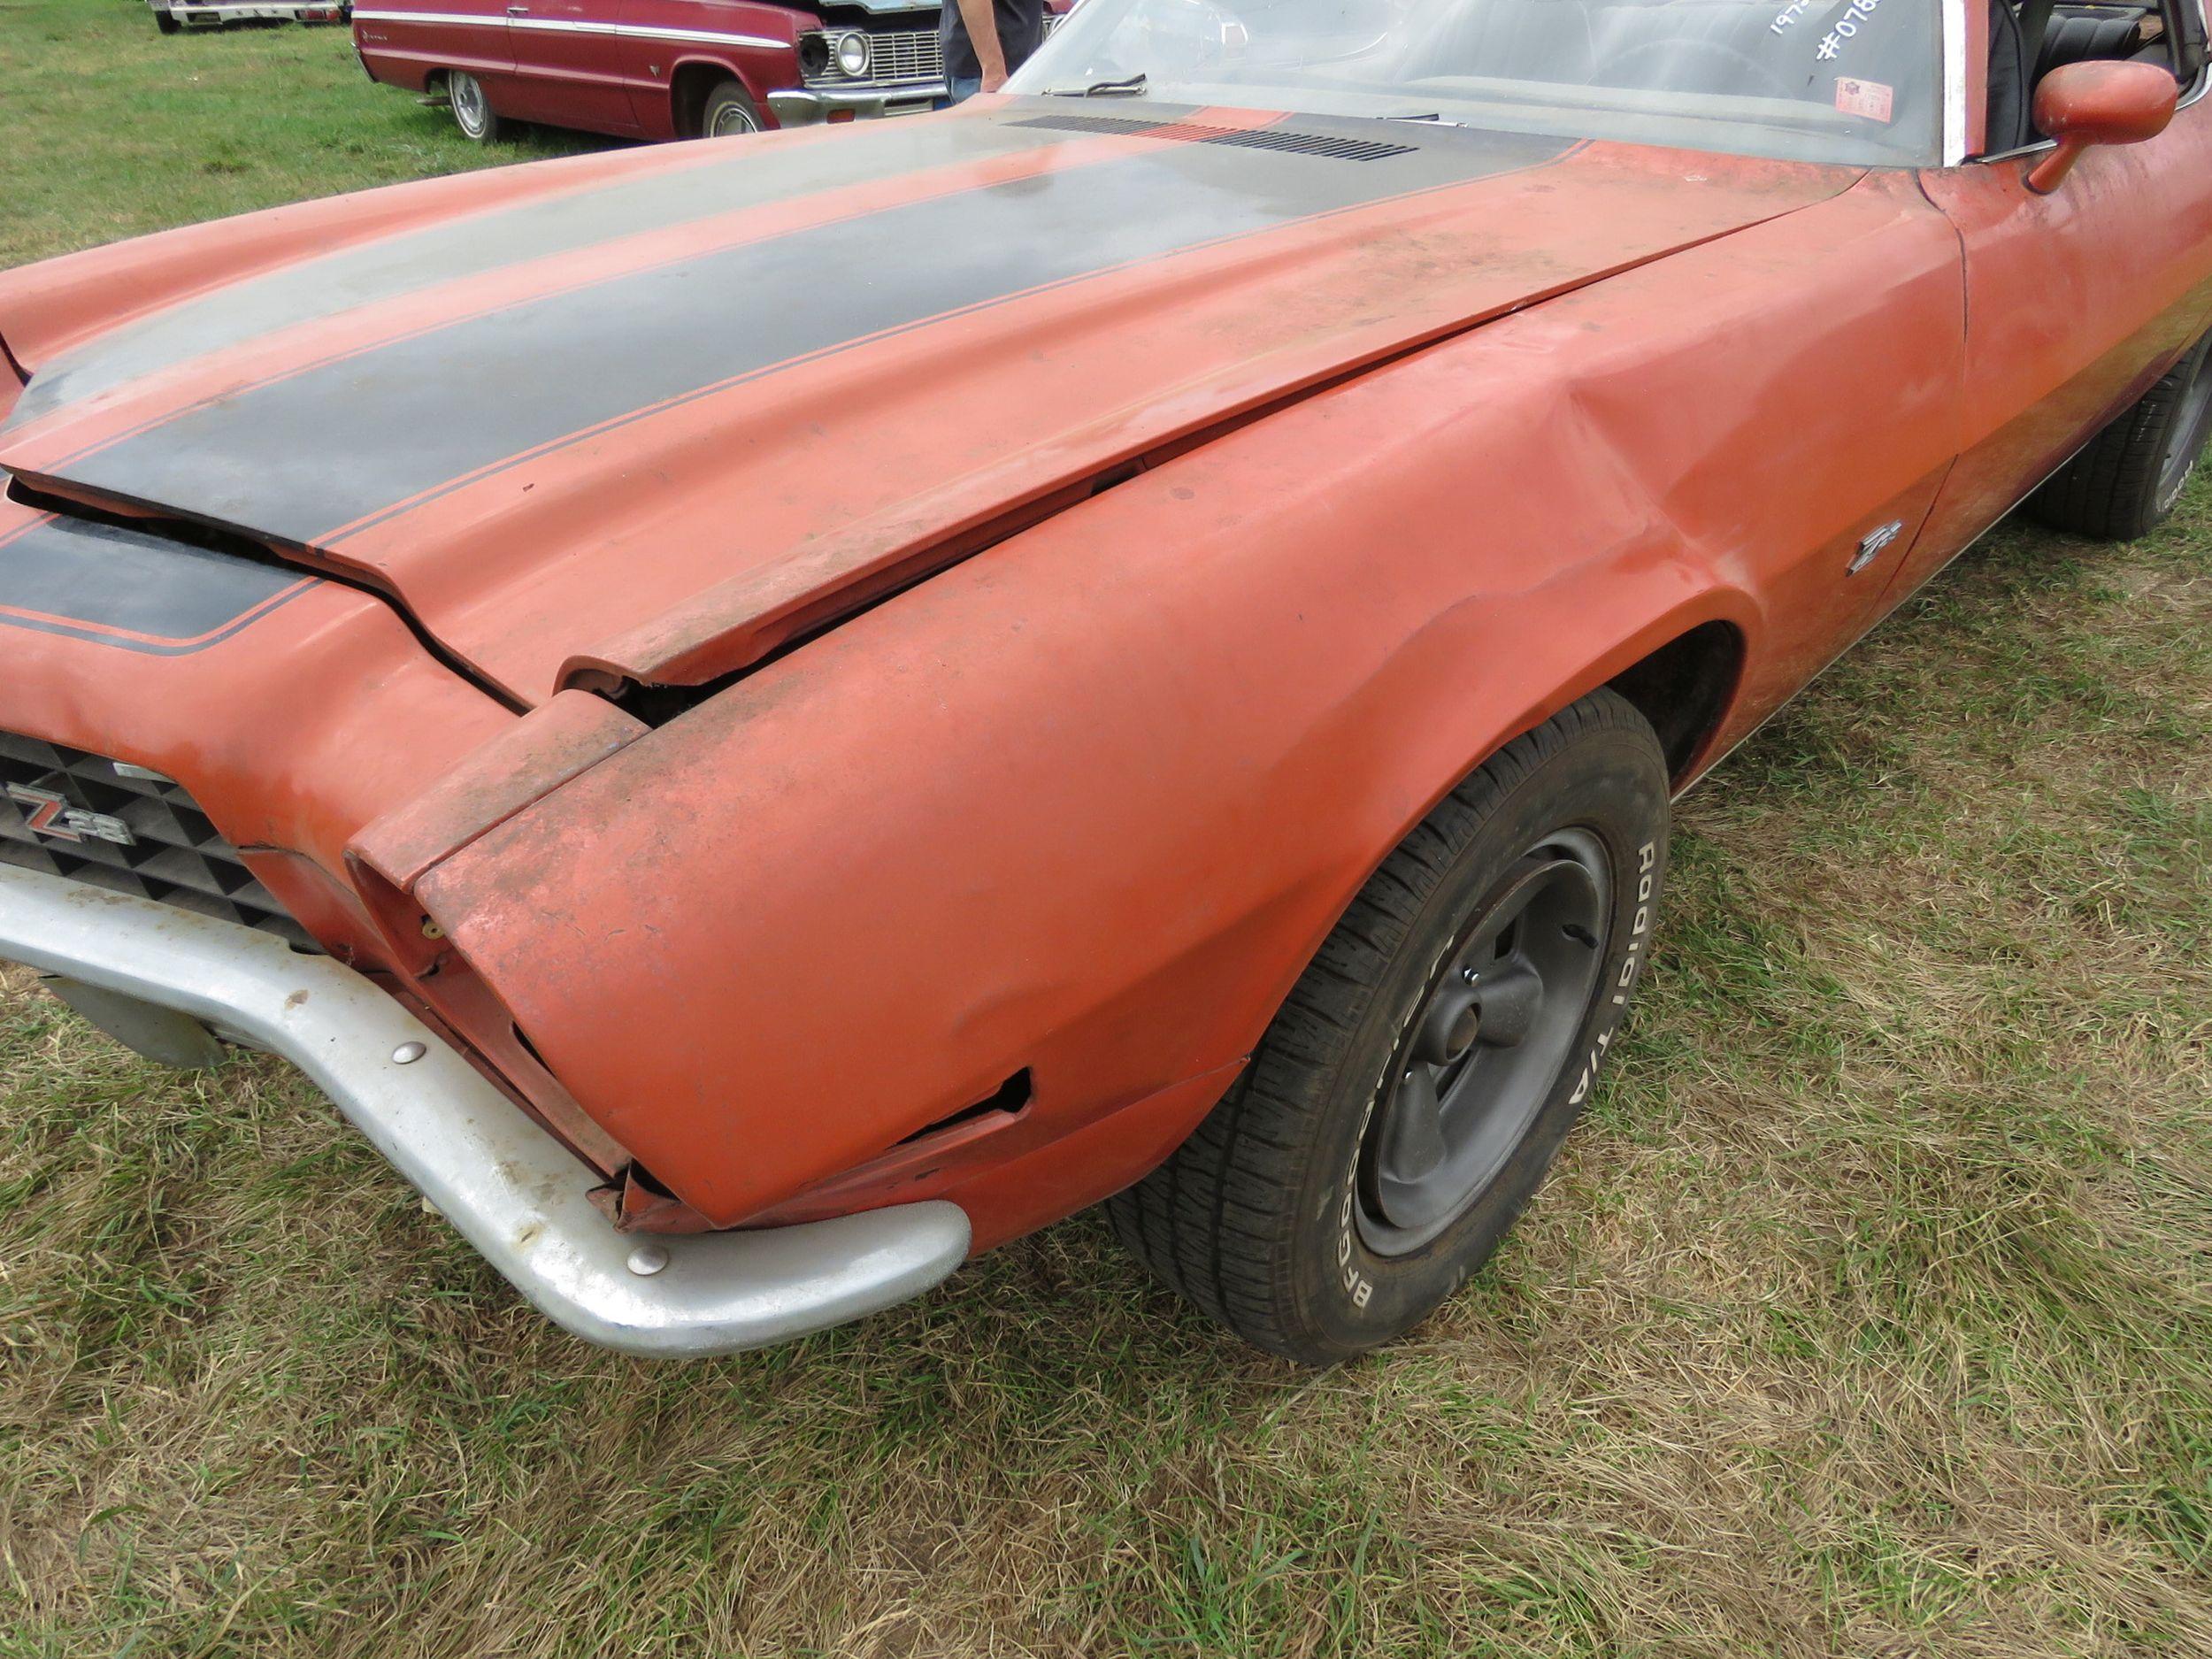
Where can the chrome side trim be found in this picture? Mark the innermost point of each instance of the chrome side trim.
(504, 1183)
(562, 25)
(632, 33)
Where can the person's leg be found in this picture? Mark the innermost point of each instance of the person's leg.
(959, 88)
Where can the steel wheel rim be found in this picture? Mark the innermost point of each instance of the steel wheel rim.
(2191, 428)
(469, 108)
(1494, 1030)
(730, 120)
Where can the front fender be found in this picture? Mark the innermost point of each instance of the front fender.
(1082, 805)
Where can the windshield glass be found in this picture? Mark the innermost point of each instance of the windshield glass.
(1838, 81)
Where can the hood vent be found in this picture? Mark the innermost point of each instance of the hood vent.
(1322, 144)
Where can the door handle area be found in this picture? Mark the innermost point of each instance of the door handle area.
(517, 11)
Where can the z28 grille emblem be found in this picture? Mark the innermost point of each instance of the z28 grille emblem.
(46, 813)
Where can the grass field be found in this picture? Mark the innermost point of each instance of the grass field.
(1870, 1315)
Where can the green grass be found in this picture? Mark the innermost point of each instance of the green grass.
(1871, 1314)
(113, 129)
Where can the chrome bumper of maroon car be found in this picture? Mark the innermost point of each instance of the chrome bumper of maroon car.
(219, 12)
(512, 1190)
(806, 106)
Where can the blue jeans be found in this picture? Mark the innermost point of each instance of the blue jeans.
(960, 87)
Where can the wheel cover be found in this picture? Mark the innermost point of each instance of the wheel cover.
(1488, 1044)
(731, 119)
(2193, 425)
(469, 108)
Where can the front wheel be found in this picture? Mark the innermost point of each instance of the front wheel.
(2128, 479)
(1409, 1098)
(473, 111)
(728, 112)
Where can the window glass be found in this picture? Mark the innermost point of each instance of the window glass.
(1842, 80)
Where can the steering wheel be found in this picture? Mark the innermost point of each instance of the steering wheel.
(1763, 73)
(1198, 33)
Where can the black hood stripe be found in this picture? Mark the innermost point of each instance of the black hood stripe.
(342, 533)
(118, 587)
(687, 185)
(337, 448)
(739, 232)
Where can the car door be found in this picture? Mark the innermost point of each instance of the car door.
(568, 68)
(702, 43)
(407, 45)
(2074, 303)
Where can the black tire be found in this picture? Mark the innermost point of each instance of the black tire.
(2125, 483)
(728, 112)
(473, 111)
(166, 23)
(1275, 1216)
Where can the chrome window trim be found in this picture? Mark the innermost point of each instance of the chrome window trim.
(2203, 82)
(1958, 82)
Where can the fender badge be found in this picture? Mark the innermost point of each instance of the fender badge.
(1870, 549)
(48, 814)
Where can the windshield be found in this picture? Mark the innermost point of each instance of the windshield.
(1835, 81)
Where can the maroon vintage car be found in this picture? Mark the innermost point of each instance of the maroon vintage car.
(657, 68)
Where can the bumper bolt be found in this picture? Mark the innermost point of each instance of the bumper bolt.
(648, 1259)
(408, 1053)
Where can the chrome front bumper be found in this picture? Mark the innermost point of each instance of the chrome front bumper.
(807, 107)
(222, 12)
(513, 1191)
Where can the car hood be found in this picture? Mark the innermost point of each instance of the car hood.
(658, 426)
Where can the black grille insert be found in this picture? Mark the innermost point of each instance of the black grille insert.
(1259, 138)
(172, 853)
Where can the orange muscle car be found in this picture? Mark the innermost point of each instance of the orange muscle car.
(766, 716)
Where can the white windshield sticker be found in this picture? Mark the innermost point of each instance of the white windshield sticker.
(1867, 98)
(1845, 27)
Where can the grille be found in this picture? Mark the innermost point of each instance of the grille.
(175, 856)
(895, 57)
(1264, 138)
